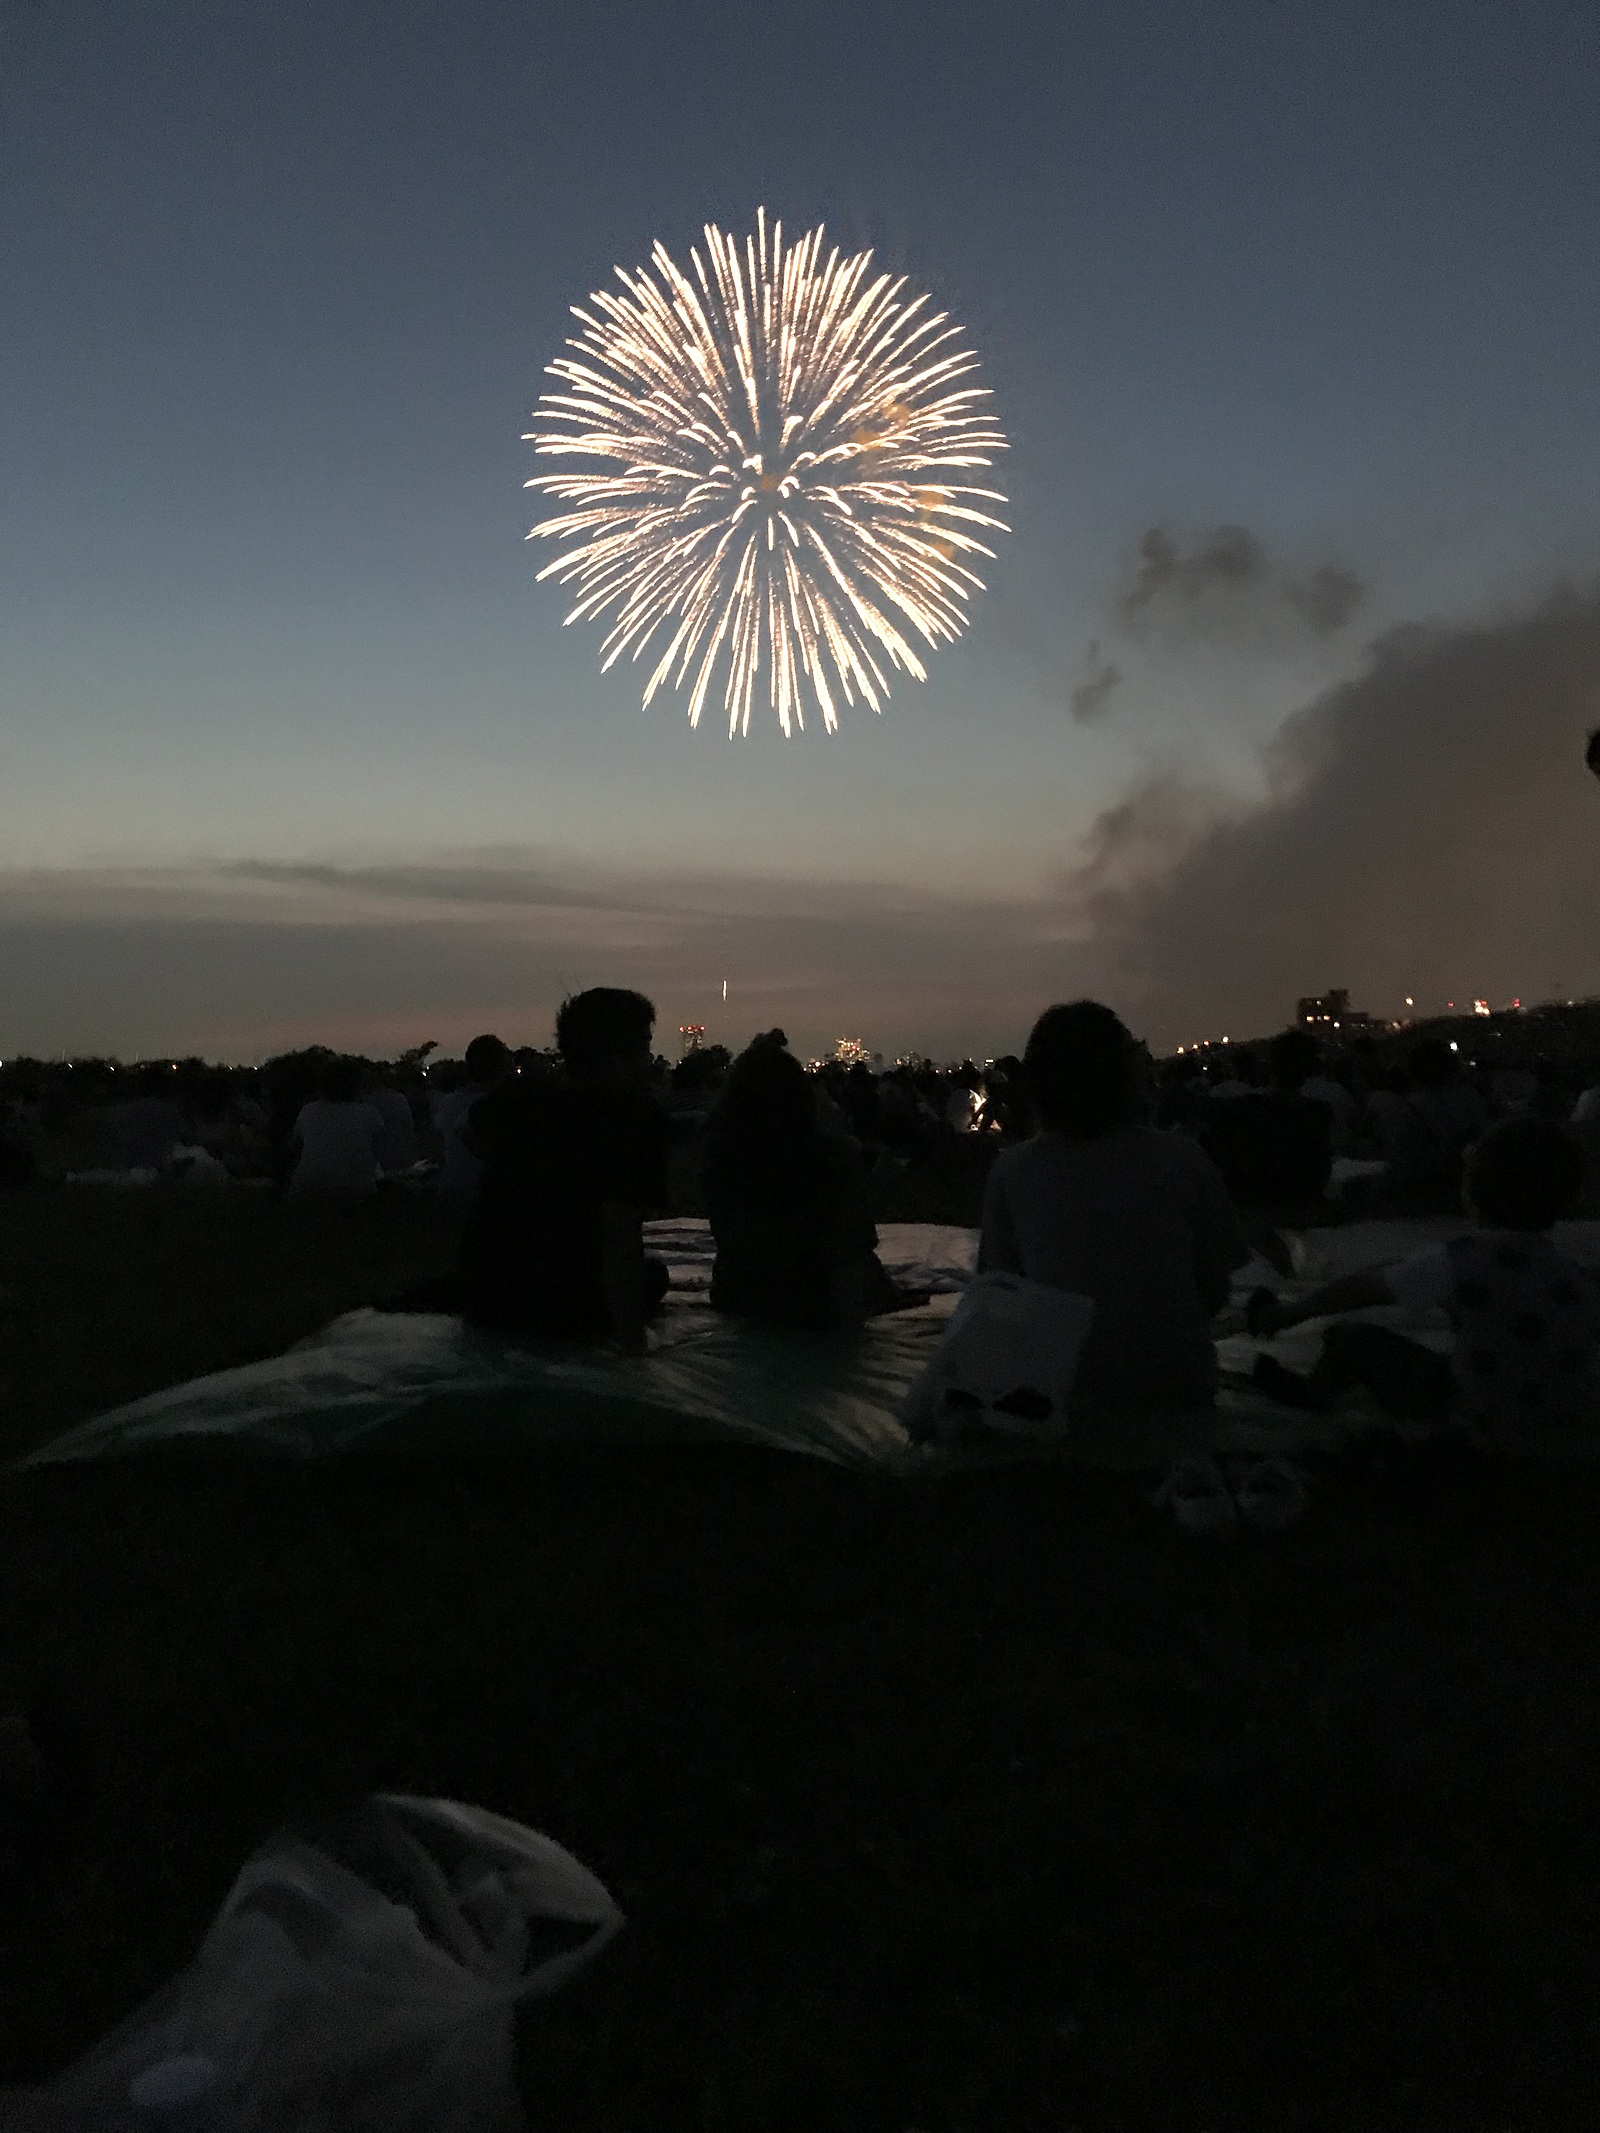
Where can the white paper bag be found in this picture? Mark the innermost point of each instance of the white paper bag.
(1008, 1337)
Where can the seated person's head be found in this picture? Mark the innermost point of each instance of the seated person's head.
(341, 1081)
(604, 1035)
(1525, 1173)
(1083, 1070)
(488, 1062)
(767, 1096)
(1292, 1058)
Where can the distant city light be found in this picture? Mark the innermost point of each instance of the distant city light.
(1480, 1007)
(1454, 1046)
(1409, 1001)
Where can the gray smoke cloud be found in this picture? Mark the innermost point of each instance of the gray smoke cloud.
(1089, 698)
(1224, 584)
(1428, 829)
(1328, 598)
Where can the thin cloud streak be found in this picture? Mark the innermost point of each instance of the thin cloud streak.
(237, 967)
(1427, 827)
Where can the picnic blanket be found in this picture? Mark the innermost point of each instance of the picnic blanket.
(418, 1383)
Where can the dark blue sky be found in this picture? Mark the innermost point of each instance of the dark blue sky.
(281, 284)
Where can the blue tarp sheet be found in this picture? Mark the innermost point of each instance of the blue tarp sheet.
(404, 1382)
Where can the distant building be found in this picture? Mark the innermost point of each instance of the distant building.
(850, 1051)
(691, 1038)
(1325, 1012)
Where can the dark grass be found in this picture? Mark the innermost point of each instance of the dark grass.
(992, 1803)
(106, 1295)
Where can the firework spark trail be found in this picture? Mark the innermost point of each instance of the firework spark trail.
(783, 439)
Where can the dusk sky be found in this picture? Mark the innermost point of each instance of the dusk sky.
(293, 748)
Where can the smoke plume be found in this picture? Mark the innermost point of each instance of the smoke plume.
(1088, 699)
(1428, 830)
(1225, 585)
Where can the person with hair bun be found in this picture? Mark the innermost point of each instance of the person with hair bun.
(1104, 1204)
(796, 1244)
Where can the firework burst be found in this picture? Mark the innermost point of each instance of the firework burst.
(784, 440)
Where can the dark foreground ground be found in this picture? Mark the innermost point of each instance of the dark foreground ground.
(988, 1804)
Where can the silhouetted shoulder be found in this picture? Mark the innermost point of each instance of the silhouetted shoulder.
(1163, 1149)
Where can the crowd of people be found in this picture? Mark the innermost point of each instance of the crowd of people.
(1142, 1186)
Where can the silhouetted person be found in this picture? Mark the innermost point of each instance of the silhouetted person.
(1274, 1146)
(796, 1245)
(489, 1063)
(18, 1163)
(1524, 1370)
(397, 1147)
(1101, 1203)
(152, 1125)
(335, 1139)
(859, 1097)
(571, 1167)
(1429, 1133)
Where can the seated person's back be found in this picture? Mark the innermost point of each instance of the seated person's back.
(337, 1137)
(557, 1154)
(1274, 1146)
(1526, 1317)
(1274, 1150)
(787, 1202)
(1104, 1205)
(1429, 1132)
(488, 1064)
(397, 1146)
(150, 1129)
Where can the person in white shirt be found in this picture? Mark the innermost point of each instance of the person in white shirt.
(397, 1149)
(335, 1140)
(1104, 1205)
(1431, 1130)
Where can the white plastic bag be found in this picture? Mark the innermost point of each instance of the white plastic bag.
(1007, 1338)
(338, 2000)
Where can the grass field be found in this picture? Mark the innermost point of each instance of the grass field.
(994, 1803)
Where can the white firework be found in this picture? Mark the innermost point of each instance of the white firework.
(784, 442)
